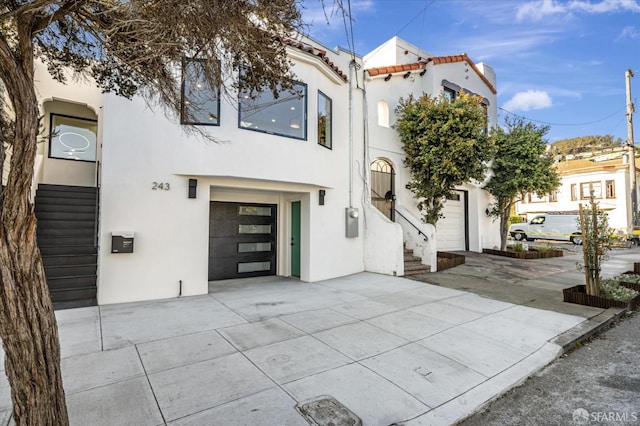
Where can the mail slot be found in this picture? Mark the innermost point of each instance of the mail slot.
(122, 242)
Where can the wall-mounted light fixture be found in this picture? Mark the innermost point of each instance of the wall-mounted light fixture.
(321, 194)
(193, 186)
(423, 72)
(487, 211)
(407, 74)
(408, 186)
(387, 78)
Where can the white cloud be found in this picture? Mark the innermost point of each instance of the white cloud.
(501, 44)
(628, 32)
(526, 101)
(538, 9)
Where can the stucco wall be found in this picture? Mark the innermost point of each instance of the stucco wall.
(142, 146)
(383, 251)
(384, 142)
(617, 207)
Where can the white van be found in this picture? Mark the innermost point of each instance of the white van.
(564, 227)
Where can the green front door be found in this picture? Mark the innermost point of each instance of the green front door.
(295, 238)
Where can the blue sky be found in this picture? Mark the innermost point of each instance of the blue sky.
(557, 61)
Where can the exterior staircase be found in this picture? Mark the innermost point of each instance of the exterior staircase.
(67, 230)
(413, 264)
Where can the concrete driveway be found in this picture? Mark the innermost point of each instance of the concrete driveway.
(390, 349)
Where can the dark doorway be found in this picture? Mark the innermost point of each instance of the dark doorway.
(382, 182)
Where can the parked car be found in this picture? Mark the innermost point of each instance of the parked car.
(563, 227)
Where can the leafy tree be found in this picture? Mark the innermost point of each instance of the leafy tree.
(445, 145)
(126, 47)
(596, 244)
(521, 165)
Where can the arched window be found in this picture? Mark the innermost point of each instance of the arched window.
(383, 114)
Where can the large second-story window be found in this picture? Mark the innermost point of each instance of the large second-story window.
(200, 102)
(324, 120)
(588, 188)
(611, 189)
(284, 115)
(72, 138)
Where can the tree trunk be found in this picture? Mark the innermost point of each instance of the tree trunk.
(504, 223)
(27, 321)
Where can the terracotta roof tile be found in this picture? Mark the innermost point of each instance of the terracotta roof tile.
(396, 68)
(437, 60)
(320, 53)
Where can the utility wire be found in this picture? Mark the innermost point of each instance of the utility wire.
(563, 124)
(415, 17)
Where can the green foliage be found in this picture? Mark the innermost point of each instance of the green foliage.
(518, 247)
(521, 165)
(629, 278)
(611, 289)
(445, 146)
(596, 243)
(514, 219)
(585, 144)
(545, 248)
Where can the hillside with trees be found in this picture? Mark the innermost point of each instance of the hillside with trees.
(585, 146)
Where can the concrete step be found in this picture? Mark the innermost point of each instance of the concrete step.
(411, 258)
(424, 269)
(416, 266)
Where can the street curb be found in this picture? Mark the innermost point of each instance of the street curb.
(585, 330)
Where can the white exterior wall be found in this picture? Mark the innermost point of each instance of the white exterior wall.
(395, 51)
(78, 98)
(141, 145)
(617, 208)
(172, 232)
(384, 142)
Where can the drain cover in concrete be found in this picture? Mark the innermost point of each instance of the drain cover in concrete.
(326, 411)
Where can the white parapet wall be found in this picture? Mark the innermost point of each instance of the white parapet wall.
(419, 237)
(383, 251)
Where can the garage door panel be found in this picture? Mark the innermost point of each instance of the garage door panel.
(229, 247)
(451, 228)
(237, 229)
(242, 240)
(220, 269)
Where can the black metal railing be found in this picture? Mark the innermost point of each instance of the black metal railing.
(96, 227)
(411, 223)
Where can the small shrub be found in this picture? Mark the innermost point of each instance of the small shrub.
(629, 278)
(518, 247)
(611, 289)
(545, 248)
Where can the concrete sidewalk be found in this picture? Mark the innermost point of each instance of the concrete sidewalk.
(390, 349)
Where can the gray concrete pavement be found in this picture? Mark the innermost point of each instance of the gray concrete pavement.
(390, 349)
(600, 380)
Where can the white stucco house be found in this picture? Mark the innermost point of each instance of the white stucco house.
(606, 177)
(131, 207)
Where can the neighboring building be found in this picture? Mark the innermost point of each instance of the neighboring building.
(288, 189)
(395, 70)
(607, 178)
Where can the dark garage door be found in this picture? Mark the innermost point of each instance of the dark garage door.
(242, 240)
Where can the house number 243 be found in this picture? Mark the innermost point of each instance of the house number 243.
(160, 186)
